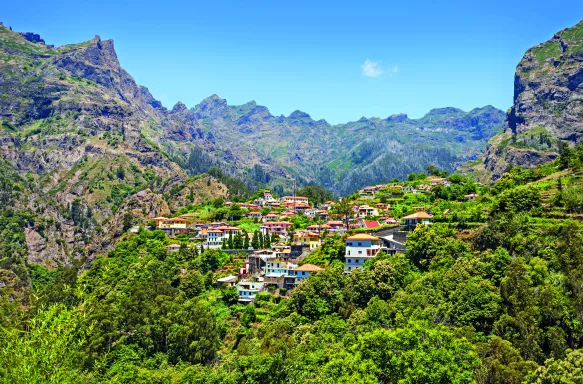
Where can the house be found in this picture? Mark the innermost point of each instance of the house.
(395, 242)
(247, 290)
(437, 180)
(214, 239)
(336, 226)
(360, 248)
(173, 247)
(176, 222)
(295, 199)
(218, 235)
(273, 204)
(267, 196)
(472, 196)
(408, 189)
(270, 217)
(279, 227)
(303, 271)
(411, 221)
(390, 221)
(254, 215)
(298, 207)
(277, 267)
(229, 281)
(318, 227)
(365, 210)
(312, 239)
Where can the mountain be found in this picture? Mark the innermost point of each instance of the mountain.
(72, 142)
(548, 105)
(86, 139)
(98, 102)
(272, 149)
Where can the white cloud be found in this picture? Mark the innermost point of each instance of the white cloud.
(371, 69)
(395, 69)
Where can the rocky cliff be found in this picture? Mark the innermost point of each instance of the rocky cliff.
(73, 124)
(548, 105)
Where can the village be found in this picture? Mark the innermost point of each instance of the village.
(276, 252)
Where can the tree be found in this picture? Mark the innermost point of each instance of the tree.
(238, 241)
(343, 207)
(517, 200)
(48, 350)
(565, 371)
(566, 157)
(316, 194)
(209, 260)
(419, 354)
(245, 240)
(255, 241)
(192, 283)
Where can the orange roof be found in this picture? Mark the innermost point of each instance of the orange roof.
(419, 215)
(308, 268)
(362, 236)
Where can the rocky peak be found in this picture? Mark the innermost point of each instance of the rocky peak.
(213, 107)
(548, 87)
(179, 107)
(398, 118)
(32, 37)
(443, 111)
(296, 115)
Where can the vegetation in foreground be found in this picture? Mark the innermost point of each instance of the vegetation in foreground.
(495, 302)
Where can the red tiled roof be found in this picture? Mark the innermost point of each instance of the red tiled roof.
(371, 224)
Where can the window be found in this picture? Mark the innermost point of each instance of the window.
(359, 244)
(360, 252)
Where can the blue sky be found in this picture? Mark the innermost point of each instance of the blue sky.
(335, 60)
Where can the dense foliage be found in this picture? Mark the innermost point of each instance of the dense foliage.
(490, 293)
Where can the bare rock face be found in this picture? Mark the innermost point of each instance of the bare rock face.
(548, 87)
(548, 105)
(139, 207)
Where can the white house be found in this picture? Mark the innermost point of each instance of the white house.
(248, 290)
(360, 248)
(217, 236)
(411, 221)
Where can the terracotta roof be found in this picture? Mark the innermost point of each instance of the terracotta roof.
(419, 215)
(308, 268)
(362, 236)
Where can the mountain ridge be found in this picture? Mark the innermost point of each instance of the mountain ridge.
(547, 110)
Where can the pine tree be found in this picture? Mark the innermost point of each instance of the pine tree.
(261, 244)
(230, 241)
(255, 241)
(238, 241)
(245, 240)
(267, 240)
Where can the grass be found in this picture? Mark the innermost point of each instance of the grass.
(546, 51)
(536, 138)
